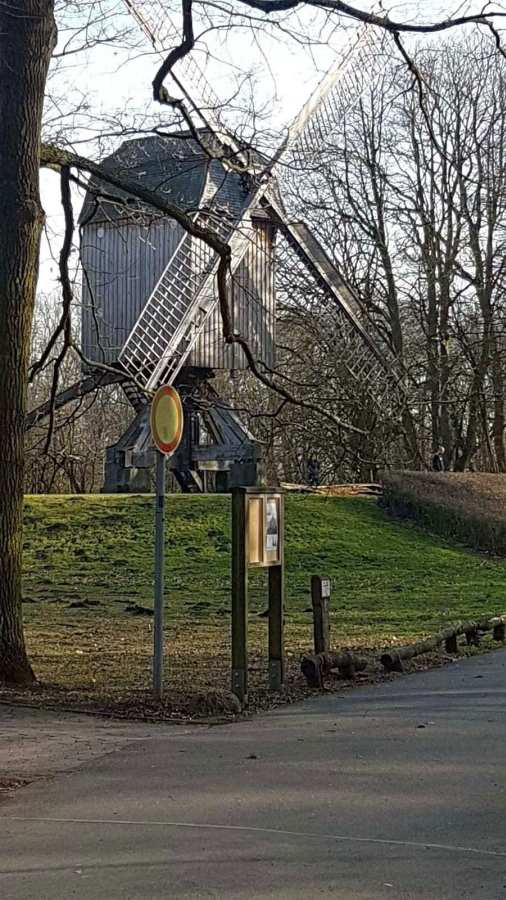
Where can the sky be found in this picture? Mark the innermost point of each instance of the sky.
(114, 83)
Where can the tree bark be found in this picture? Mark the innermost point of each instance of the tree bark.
(27, 38)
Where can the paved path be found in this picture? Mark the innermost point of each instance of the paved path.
(346, 796)
(38, 743)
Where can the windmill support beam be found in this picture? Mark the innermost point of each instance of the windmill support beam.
(75, 392)
(227, 449)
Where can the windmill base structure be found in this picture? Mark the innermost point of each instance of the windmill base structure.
(215, 442)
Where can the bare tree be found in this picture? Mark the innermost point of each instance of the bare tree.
(409, 199)
(72, 460)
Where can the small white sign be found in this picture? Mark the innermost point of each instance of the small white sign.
(325, 584)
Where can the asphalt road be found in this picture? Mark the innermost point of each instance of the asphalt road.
(393, 791)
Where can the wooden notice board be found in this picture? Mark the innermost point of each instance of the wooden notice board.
(257, 540)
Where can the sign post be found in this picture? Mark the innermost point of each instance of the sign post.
(166, 421)
(159, 575)
(239, 597)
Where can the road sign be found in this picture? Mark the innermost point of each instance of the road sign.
(166, 419)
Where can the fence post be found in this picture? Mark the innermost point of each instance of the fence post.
(320, 598)
(451, 644)
(276, 654)
(499, 631)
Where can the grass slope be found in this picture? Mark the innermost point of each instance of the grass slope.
(389, 580)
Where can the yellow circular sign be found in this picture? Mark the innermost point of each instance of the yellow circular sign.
(167, 419)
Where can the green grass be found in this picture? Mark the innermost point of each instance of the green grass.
(389, 580)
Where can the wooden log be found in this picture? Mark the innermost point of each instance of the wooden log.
(498, 625)
(472, 637)
(311, 668)
(392, 662)
(392, 659)
(316, 667)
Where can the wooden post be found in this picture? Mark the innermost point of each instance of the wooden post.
(239, 596)
(276, 643)
(320, 597)
(472, 637)
(276, 611)
(451, 644)
(499, 633)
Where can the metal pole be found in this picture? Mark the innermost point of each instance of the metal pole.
(239, 597)
(159, 585)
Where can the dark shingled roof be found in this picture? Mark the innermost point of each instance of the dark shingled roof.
(173, 166)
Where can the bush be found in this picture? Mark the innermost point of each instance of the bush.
(466, 507)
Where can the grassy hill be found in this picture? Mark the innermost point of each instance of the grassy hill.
(91, 557)
(88, 592)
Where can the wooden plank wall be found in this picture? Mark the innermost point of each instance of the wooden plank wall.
(122, 262)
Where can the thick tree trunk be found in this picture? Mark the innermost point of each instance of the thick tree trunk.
(27, 36)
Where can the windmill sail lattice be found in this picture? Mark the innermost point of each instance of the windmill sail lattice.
(339, 91)
(153, 19)
(374, 369)
(185, 297)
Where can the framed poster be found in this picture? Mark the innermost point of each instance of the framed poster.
(264, 529)
(271, 525)
(272, 540)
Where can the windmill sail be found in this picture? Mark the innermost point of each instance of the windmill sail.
(184, 299)
(374, 369)
(153, 19)
(188, 76)
(338, 92)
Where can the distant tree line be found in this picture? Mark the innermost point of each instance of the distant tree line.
(409, 200)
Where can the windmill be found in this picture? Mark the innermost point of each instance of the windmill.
(163, 324)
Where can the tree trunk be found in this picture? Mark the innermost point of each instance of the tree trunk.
(27, 37)
(499, 418)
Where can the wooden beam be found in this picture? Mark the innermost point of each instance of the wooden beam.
(75, 392)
